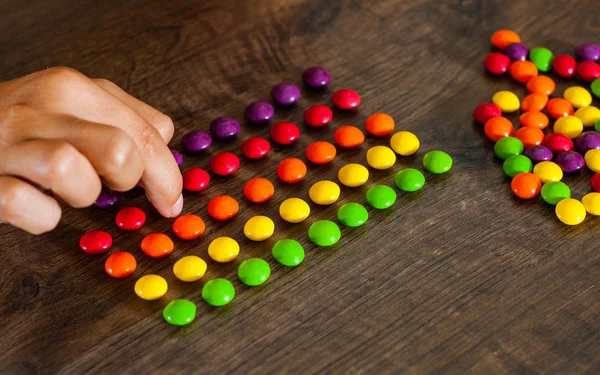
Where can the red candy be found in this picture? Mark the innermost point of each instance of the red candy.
(558, 142)
(95, 242)
(486, 111)
(130, 218)
(255, 148)
(224, 163)
(285, 133)
(588, 70)
(596, 182)
(496, 63)
(345, 99)
(564, 65)
(195, 179)
(318, 115)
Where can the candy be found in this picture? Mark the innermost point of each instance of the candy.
(587, 52)
(570, 211)
(379, 124)
(534, 119)
(404, 143)
(255, 148)
(223, 249)
(381, 157)
(486, 111)
(541, 57)
(316, 77)
(595, 87)
(157, 245)
(352, 215)
(570, 126)
(318, 115)
(288, 252)
(558, 143)
(597, 126)
(542, 85)
(320, 152)
(150, 287)
(324, 192)
(107, 198)
(284, 133)
(554, 192)
(570, 161)
(130, 218)
(534, 102)
(223, 207)
(179, 312)
(294, 210)
(498, 127)
(592, 160)
(348, 136)
(530, 136)
(507, 101)
(496, 63)
(588, 141)
(254, 271)
(588, 115)
(409, 179)
(353, 175)
(516, 164)
(189, 268)
(177, 156)
(591, 202)
(291, 170)
(224, 127)
(188, 227)
(588, 71)
(224, 163)
(218, 292)
(508, 146)
(523, 71)
(259, 228)
(259, 190)
(324, 233)
(517, 51)
(345, 99)
(259, 112)
(526, 185)
(558, 107)
(538, 153)
(548, 171)
(380, 197)
(120, 264)
(578, 96)
(596, 182)
(286, 94)
(195, 179)
(564, 66)
(196, 141)
(503, 38)
(437, 162)
(95, 242)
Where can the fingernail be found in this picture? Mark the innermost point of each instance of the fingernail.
(177, 207)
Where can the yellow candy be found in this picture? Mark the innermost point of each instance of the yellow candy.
(588, 115)
(548, 171)
(381, 157)
(507, 101)
(570, 126)
(294, 210)
(259, 228)
(570, 211)
(353, 175)
(592, 160)
(591, 202)
(578, 96)
(189, 268)
(324, 192)
(405, 143)
(150, 287)
(223, 249)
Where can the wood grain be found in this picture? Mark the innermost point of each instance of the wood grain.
(458, 278)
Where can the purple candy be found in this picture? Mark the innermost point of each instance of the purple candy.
(107, 198)
(196, 141)
(259, 112)
(316, 77)
(588, 52)
(517, 51)
(178, 157)
(588, 141)
(286, 94)
(538, 153)
(224, 127)
(570, 161)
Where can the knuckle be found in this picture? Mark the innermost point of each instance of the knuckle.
(103, 82)
(164, 125)
(61, 80)
(61, 160)
(62, 72)
(120, 151)
(11, 197)
(149, 142)
(10, 120)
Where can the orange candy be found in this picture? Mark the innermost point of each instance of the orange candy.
(291, 170)
(349, 136)
(534, 119)
(503, 38)
(534, 102)
(530, 136)
(523, 71)
(188, 227)
(559, 107)
(542, 85)
(526, 185)
(120, 264)
(259, 190)
(157, 245)
(379, 124)
(223, 207)
(498, 127)
(320, 152)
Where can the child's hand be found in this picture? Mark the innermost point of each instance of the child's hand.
(65, 132)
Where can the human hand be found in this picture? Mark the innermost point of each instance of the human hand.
(65, 132)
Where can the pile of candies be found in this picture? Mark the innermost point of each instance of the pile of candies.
(288, 252)
(536, 159)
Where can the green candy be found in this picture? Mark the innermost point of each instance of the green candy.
(508, 146)
(324, 233)
(381, 197)
(437, 162)
(288, 252)
(541, 57)
(179, 312)
(554, 192)
(409, 179)
(353, 215)
(597, 126)
(254, 271)
(218, 292)
(515, 164)
(596, 87)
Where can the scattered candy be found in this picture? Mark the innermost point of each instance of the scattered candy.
(596, 182)
(320, 152)
(534, 119)
(437, 162)
(591, 202)
(381, 197)
(595, 87)
(255, 148)
(195, 179)
(379, 124)
(345, 99)
(218, 292)
(259, 112)
(526, 185)
(543, 85)
(95, 242)
(284, 133)
(348, 136)
(558, 107)
(179, 312)
(530, 136)
(177, 156)
(564, 66)
(223, 249)
(507, 101)
(188, 227)
(496, 63)
(259, 228)
(189, 268)
(486, 111)
(291, 170)
(523, 71)
(592, 160)
(324, 233)
(515, 164)
(517, 51)
(224, 163)
(570, 161)
(353, 175)
(288, 252)
(588, 52)
(588, 141)
(542, 58)
(254, 271)
(570, 211)
(578, 96)
(259, 190)
(352, 215)
(381, 157)
(223, 207)
(318, 115)
(316, 77)
(503, 38)
(588, 71)
(196, 141)
(130, 218)
(294, 210)
(286, 94)
(588, 115)
(554, 192)
(548, 171)
(405, 143)
(157, 245)
(409, 179)
(324, 192)
(107, 198)
(538, 153)
(150, 287)
(570, 126)
(498, 127)
(120, 264)
(534, 102)
(224, 127)
(558, 143)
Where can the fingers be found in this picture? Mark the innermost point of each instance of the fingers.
(25, 207)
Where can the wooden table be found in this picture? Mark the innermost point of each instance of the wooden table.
(459, 278)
